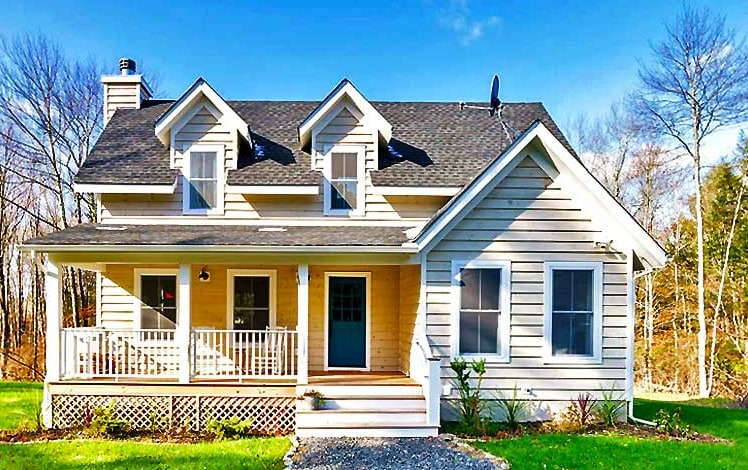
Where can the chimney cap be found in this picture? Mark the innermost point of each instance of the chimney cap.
(127, 66)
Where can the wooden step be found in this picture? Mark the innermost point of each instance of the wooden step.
(411, 402)
(344, 418)
(369, 430)
(334, 391)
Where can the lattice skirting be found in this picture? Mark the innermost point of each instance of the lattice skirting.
(269, 415)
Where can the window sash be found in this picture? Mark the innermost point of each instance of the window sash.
(203, 180)
(251, 310)
(344, 181)
(480, 328)
(163, 313)
(578, 336)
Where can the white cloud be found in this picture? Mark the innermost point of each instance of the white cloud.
(457, 16)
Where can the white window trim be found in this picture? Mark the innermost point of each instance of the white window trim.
(503, 355)
(367, 276)
(233, 273)
(137, 305)
(360, 151)
(597, 315)
(220, 151)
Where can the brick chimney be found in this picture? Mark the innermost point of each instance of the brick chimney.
(126, 90)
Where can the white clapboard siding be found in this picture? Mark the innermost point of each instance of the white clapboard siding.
(123, 95)
(528, 220)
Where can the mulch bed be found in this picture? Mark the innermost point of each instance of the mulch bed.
(622, 429)
(171, 437)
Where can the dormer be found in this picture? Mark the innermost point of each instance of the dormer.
(343, 134)
(204, 135)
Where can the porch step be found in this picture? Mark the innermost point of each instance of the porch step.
(369, 430)
(359, 403)
(344, 418)
(368, 391)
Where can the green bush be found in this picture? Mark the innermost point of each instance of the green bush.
(471, 406)
(609, 408)
(229, 428)
(670, 423)
(103, 423)
(514, 408)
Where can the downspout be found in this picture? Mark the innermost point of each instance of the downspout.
(631, 301)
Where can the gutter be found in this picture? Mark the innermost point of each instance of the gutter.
(406, 248)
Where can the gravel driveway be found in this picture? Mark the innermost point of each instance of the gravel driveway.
(435, 453)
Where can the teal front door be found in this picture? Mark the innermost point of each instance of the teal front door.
(346, 316)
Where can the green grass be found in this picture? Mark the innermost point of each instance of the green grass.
(18, 400)
(256, 453)
(579, 451)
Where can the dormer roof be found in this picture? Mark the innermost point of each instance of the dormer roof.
(187, 103)
(345, 89)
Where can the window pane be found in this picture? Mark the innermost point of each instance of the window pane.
(343, 195)
(251, 319)
(203, 164)
(572, 334)
(489, 289)
(252, 292)
(470, 289)
(351, 166)
(582, 290)
(469, 343)
(582, 338)
(338, 165)
(489, 332)
(562, 290)
(158, 294)
(197, 197)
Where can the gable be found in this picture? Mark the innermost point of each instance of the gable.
(550, 155)
(344, 126)
(203, 125)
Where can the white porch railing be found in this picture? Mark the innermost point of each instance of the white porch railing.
(230, 354)
(427, 370)
(96, 352)
(243, 353)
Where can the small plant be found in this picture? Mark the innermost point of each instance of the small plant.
(104, 424)
(609, 408)
(316, 399)
(514, 408)
(156, 422)
(581, 411)
(670, 423)
(231, 428)
(471, 406)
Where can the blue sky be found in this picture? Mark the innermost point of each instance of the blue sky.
(576, 57)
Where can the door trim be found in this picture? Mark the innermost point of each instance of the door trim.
(367, 276)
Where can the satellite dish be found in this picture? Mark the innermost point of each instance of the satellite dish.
(495, 102)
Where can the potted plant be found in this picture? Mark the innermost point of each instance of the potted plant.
(313, 400)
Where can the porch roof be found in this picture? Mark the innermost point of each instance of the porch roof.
(108, 237)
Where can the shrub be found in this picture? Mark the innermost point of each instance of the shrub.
(670, 423)
(103, 423)
(514, 408)
(229, 428)
(609, 407)
(471, 406)
(580, 413)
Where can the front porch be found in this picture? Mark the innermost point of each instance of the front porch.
(203, 354)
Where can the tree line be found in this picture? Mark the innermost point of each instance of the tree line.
(648, 150)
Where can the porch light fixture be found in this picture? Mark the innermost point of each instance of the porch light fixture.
(204, 275)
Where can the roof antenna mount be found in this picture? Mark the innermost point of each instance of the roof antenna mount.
(495, 107)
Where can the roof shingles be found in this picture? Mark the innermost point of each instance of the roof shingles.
(433, 144)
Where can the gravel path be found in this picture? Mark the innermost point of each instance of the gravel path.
(436, 453)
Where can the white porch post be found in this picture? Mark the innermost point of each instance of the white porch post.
(184, 320)
(303, 325)
(53, 293)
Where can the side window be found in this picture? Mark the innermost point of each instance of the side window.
(481, 293)
(344, 181)
(574, 310)
(251, 303)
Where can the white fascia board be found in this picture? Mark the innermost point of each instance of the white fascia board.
(476, 187)
(637, 234)
(406, 248)
(414, 190)
(229, 116)
(125, 188)
(274, 189)
(346, 88)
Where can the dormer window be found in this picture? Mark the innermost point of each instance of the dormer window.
(203, 180)
(344, 182)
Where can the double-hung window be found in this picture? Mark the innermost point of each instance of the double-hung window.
(573, 305)
(481, 309)
(157, 300)
(251, 299)
(203, 179)
(344, 187)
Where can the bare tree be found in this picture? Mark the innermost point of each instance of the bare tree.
(695, 83)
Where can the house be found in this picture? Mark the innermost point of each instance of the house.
(247, 252)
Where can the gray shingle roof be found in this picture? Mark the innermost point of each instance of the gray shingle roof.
(433, 144)
(221, 235)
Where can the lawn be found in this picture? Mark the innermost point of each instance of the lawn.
(17, 404)
(572, 451)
